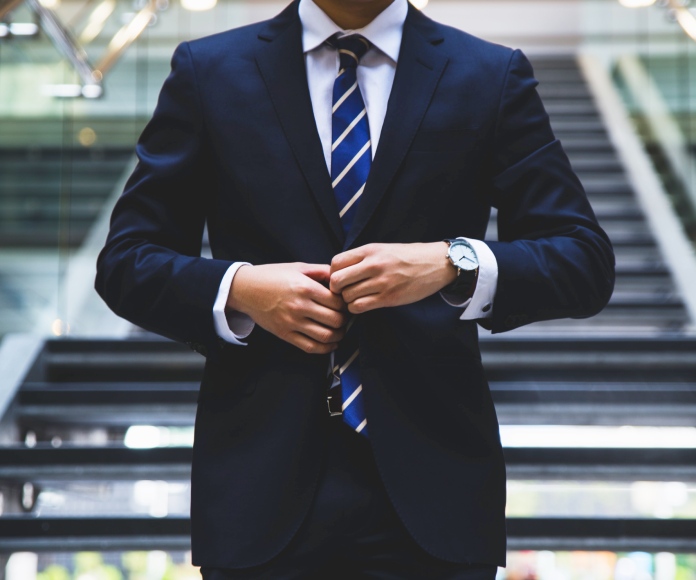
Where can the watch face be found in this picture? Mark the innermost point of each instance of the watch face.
(463, 256)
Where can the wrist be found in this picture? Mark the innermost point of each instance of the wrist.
(447, 273)
(236, 299)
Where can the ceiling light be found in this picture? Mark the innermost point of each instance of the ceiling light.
(636, 3)
(73, 91)
(92, 91)
(23, 29)
(198, 5)
(18, 29)
(66, 92)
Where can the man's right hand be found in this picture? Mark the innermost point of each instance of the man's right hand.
(291, 301)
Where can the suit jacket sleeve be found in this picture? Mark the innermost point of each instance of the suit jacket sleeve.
(150, 271)
(554, 260)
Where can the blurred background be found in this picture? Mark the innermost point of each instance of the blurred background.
(598, 416)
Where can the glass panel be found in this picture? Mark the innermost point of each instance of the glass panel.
(651, 51)
(598, 566)
(527, 565)
(602, 499)
(105, 498)
(63, 159)
(154, 565)
(157, 498)
(593, 436)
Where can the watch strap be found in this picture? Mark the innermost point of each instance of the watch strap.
(464, 285)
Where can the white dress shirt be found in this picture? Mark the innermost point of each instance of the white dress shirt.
(375, 78)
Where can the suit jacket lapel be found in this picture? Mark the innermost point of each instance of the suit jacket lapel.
(418, 72)
(282, 66)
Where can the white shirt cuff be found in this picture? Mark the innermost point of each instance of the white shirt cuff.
(235, 326)
(480, 305)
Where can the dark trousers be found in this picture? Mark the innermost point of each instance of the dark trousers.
(352, 531)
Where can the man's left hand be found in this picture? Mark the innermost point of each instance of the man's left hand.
(381, 275)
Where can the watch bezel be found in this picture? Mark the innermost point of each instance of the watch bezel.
(465, 283)
(457, 241)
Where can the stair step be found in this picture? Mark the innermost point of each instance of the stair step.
(558, 75)
(23, 181)
(627, 360)
(607, 185)
(35, 211)
(581, 107)
(617, 209)
(34, 237)
(588, 168)
(562, 127)
(650, 285)
(574, 144)
(108, 393)
(629, 266)
(645, 299)
(19, 167)
(563, 91)
(63, 152)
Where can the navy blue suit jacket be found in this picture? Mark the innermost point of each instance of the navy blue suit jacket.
(233, 142)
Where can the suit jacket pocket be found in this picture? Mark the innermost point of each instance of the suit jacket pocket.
(445, 140)
(231, 375)
(450, 397)
(459, 380)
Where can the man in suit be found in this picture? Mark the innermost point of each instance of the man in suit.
(345, 156)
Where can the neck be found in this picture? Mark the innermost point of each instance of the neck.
(352, 14)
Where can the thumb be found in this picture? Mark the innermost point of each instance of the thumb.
(317, 272)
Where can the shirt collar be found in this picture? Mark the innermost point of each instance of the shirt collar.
(384, 32)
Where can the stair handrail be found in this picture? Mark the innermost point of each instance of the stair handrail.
(126, 36)
(91, 77)
(7, 6)
(660, 121)
(678, 251)
(18, 351)
(68, 46)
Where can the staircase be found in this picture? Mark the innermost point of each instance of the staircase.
(51, 196)
(645, 299)
(74, 402)
(56, 176)
(632, 364)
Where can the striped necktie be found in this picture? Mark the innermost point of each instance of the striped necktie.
(351, 158)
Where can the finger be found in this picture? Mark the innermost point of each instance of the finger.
(365, 304)
(320, 333)
(318, 272)
(345, 259)
(363, 288)
(310, 346)
(325, 297)
(351, 275)
(327, 316)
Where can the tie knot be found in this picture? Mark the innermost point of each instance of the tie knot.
(350, 48)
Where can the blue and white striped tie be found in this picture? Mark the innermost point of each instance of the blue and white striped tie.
(351, 158)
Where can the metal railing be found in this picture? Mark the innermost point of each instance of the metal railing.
(72, 46)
